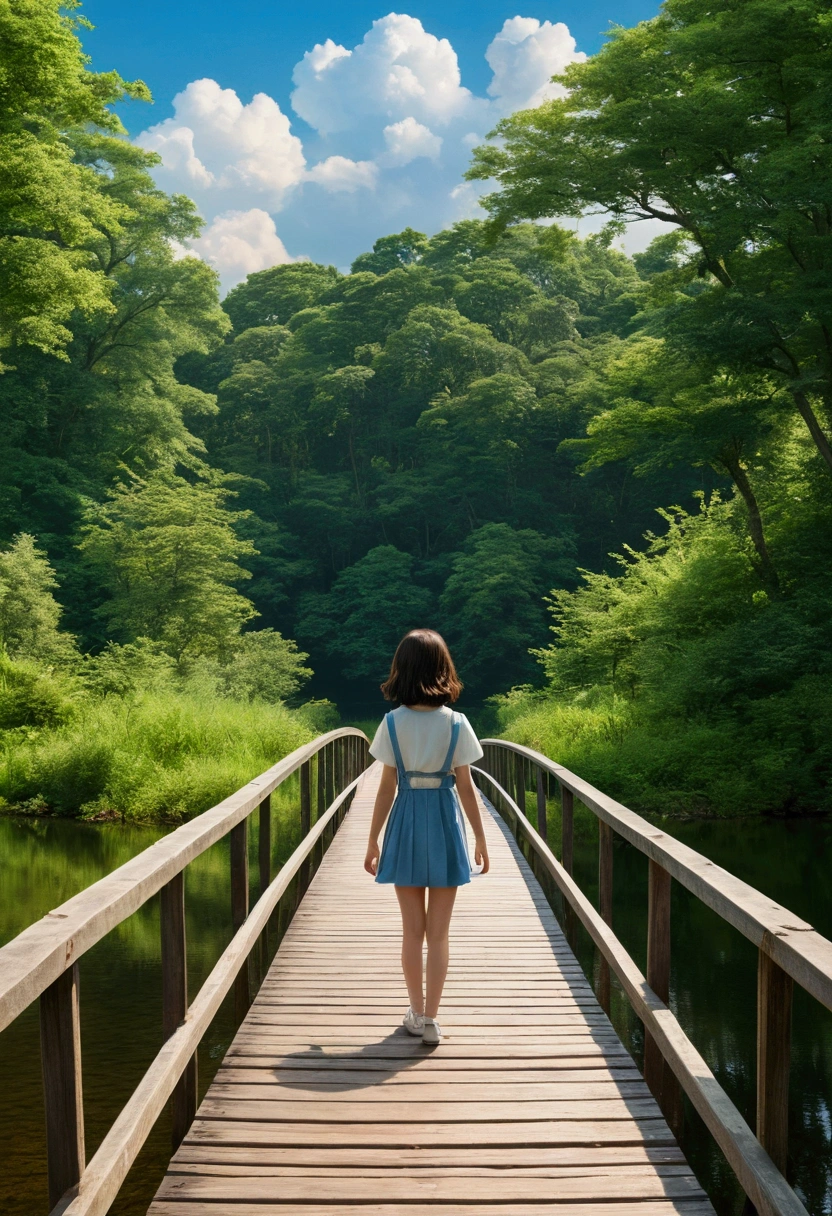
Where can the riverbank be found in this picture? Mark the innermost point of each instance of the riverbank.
(158, 757)
(671, 767)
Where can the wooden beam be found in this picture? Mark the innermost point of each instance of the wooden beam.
(541, 804)
(305, 821)
(605, 907)
(774, 1035)
(175, 1001)
(520, 782)
(239, 911)
(657, 1073)
(60, 1053)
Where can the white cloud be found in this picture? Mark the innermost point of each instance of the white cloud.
(394, 99)
(339, 174)
(409, 139)
(227, 152)
(240, 242)
(523, 57)
(399, 70)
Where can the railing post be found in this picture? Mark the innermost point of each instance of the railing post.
(657, 1073)
(541, 806)
(774, 1031)
(567, 847)
(264, 843)
(239, 911)
(604, 906)
(305, 821)
(175, 1000)
(60, 1053)
(520, 782)
(264, 862)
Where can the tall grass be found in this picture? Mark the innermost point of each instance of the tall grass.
(166, 755)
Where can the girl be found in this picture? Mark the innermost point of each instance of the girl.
(426, 749)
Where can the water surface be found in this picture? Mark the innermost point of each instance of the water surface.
(713, 988)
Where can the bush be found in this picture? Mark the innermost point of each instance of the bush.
(31, 696)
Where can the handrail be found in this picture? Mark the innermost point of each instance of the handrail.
(790, 942)
(118, 1150)
(40, 954)
(789, 949)
(42, 961)
(765, 1186)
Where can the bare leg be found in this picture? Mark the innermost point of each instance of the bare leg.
(412, 906)
(440, 907)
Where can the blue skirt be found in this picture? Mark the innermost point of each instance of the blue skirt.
(424, 844)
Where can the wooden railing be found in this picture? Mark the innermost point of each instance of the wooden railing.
(42, 962)
(789, 950)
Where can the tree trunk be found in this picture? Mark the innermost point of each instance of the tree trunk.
(739, 476)
(815, 429)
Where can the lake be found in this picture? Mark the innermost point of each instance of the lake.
(713, 988)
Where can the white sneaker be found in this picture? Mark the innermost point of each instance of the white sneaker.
(432, 1032)
(414, 1023)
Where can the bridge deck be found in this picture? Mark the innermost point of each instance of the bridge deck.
(324, 1105)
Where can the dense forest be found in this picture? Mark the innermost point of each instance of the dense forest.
(606, 479)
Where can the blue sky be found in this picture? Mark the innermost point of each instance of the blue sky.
(309, 130)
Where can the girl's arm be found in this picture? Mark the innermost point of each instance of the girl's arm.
(384, 800)
(471, 807)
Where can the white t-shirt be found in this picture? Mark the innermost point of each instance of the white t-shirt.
(424, 737)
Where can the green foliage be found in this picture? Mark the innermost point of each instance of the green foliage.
(165, 755)
(167, 551)
(273, 296)
(492, 602)
(680, 685)
(29, 613)
(371, 605)
(263, 666)
(675, 120)
(33, 697)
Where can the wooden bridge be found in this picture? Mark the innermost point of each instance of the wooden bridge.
(323, 1105)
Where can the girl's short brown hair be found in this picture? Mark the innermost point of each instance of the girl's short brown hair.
(422, 671)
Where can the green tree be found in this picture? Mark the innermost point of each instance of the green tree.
(265, 667)
(492, 607)
(29, 613)
(271, 297)
(167, 552)
(373, 603)
(714, 120)
(52, 207)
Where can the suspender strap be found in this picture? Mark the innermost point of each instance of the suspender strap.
(446, 767)
(391, 730)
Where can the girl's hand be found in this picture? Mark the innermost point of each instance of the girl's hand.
(371, 860)
(481, 854)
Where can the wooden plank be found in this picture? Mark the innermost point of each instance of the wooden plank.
(655, 1207)
(545, 1133)
(324, 1098)
(574, 1156)
(60, 1053)
(440, 1189)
